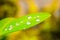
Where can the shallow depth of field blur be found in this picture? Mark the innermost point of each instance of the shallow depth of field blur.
(47, 30)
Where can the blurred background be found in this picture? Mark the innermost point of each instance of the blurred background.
(47, 30)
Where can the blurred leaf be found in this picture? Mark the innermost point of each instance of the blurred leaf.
(9, 25)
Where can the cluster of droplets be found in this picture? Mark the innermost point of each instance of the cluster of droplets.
(28, 22)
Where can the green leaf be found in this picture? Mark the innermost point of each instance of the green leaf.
(9, 25)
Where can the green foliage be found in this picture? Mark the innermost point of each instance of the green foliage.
(9, 25)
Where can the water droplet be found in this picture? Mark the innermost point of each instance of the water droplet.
(17, 24)
(37, 20)
(28, 23)
(10, 28)
(29, 17)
